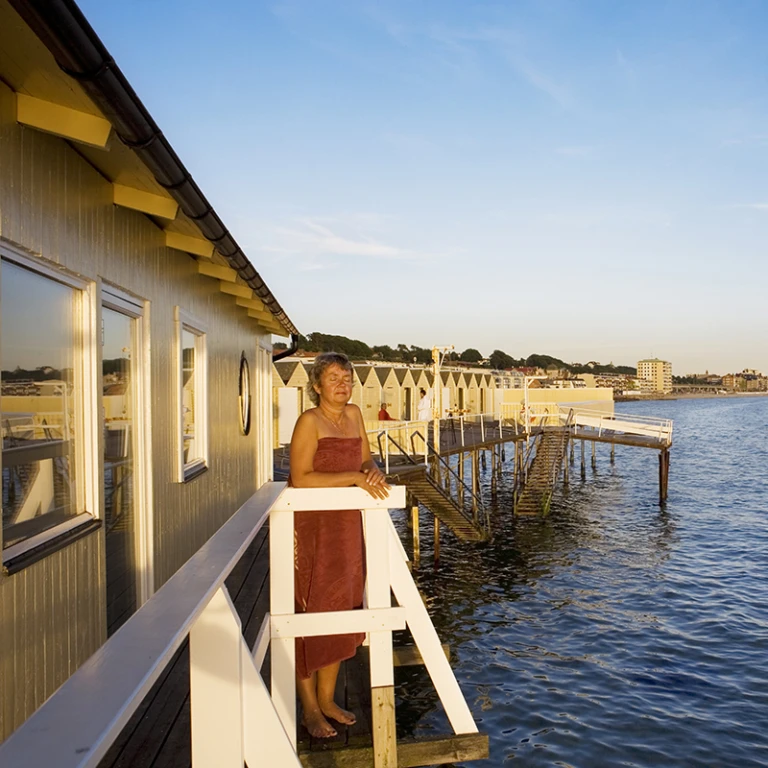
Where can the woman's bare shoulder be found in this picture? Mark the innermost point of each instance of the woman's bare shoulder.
(354, 411)
(307, 421)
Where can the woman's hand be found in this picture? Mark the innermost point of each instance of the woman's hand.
(374, 481)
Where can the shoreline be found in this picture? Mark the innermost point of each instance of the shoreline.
(690, 396)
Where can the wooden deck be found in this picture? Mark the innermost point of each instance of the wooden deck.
(158, 735)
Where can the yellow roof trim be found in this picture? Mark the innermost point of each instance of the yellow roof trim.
(197, 246)
(62, 121)
(146, 202)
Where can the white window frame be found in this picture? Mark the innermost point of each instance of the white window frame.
(184, 321)
(88, 490)
(119, 300)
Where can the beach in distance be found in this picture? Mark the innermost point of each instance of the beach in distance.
(689, 396)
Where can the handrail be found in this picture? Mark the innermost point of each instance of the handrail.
(479, 503)
(386, 574)
(76, 725)
(234, 719)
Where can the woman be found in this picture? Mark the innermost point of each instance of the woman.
(329, 449)
(424, 408)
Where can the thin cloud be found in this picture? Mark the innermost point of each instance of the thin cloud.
(752, 206)
(317, 237)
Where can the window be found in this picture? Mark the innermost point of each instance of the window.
(43, 325)
(192, 396)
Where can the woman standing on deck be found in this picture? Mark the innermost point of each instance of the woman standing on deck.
(329, 449)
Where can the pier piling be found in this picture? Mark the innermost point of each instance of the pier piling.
(415, 531)
(663, 475)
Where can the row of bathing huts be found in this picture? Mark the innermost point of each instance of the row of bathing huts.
(465, 391)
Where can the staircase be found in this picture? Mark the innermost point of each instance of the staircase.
(536, 495)
(445, 508)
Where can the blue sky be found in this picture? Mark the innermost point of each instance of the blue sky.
(582, 179)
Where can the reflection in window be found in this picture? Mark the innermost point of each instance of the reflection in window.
(39, 390)
(192, 397)
(119, 491)
(188, 341)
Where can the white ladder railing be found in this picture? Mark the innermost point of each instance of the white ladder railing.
(234, 720)
(554, 414)
(386, 573)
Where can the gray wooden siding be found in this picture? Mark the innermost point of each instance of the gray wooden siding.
(52, 618)
(55, 204)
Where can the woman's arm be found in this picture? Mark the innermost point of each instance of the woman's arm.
(375, 476)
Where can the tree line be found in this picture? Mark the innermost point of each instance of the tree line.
(355, 349)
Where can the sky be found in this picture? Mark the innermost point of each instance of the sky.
(587, 180)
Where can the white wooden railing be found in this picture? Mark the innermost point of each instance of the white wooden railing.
(234, 720)
(556, 415)
(402, 432)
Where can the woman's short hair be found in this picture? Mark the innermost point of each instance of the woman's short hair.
(423, 392)
(322, 363)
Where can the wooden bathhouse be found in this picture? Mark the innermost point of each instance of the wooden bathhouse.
(409, 394)
(290, 398)
(370, 391)
(390, 391)
(136, 356)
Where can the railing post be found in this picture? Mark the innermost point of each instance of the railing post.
(382, 676)
(281, 585)
(215, 676)
(482, 428)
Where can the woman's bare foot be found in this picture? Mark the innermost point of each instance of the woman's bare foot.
(334, 711)
(317, 725)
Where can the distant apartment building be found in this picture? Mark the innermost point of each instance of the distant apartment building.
(655, 376)
(749, 380)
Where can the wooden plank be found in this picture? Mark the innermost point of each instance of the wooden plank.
(145, 202)
(197, 246)
(219, 271)
(253, 303)
(411, 753)
(384, 730)
(62, 121)
(235, 289)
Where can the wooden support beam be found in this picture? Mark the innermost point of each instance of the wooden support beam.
(416, 534)
(266, 320)
(146, 202)
(197, 246)
(219, 271)
(235, 289)
(410, 752)
(253, 303)
(62, 121)
(437, 540)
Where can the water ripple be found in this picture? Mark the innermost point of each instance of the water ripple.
(616, 632)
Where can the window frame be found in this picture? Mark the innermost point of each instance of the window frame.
(184, 321)
(119, 300)
(86, 414)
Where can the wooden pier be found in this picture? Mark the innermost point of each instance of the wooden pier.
(539, 443)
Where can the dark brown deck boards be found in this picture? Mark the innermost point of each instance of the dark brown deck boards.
(158, 734)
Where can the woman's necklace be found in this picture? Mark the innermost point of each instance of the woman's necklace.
(337, 424)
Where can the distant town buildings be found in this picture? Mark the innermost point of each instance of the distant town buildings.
(654, 376)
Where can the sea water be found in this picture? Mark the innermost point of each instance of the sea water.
(617, 632)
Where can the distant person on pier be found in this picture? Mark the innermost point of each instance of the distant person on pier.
(424, 408)
(329, 449)
(384, 413)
